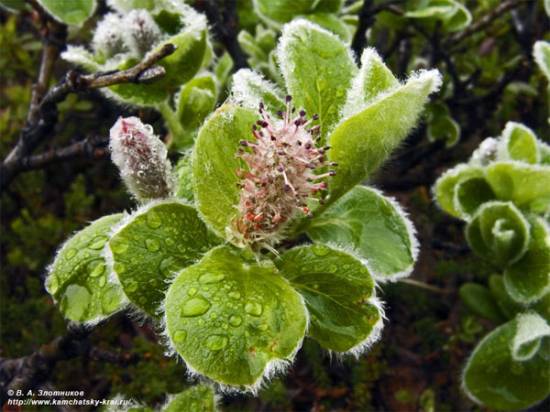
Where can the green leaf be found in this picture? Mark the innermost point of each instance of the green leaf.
(282, 11)
(317, 67)
(78, 278)
(505, 303)
(542, 307)
(13, 6)
(541, 53)
(215, 164)
(441, 126)
(372, 79)
(250, 89)
(470, 194)
(360, 143)
(494, 378)
(152, 245)
(519, 143)
(195, 101)
(480, 301)
(528, 279)
(531, 329)
(332, 23)
(445, 187)
(198, 398)
(184, 177)
(521, 183)
(73, 12)
(374, 228)
(345, 315)
(499, 233)
(454, 15)
(233, 320)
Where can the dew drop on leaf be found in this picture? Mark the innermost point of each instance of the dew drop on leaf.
(98, 270)
(110, 299)
(152, 245)
(119, 246)
(71, 253)
(192, 291)
(234, 294)
(98, 242)
(216, 342)
(320, 250)
(153, 220)
(195, 307)
(253, 308)
(211, 277)
(132, 286)
(53, 285)
(119, 267)
(179, 336)
(75, 301)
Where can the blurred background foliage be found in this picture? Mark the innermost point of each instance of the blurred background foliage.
(490, 78)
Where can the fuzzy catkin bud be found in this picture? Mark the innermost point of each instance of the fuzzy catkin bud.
(140, 31)
(282, 174)
(108, 38)
(142, 159)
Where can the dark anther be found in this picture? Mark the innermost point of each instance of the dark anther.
(288, 98)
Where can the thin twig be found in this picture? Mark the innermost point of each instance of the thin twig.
(484, 21)
(425, 286)
(38, 128)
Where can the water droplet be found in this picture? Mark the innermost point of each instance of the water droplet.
(53, 285)
(118, 245)
(235, 320)
(170, 242)
(192, 291)
(216, 342)
(152, 245)
(234, 294)
(213, 315)
(180, 335)
(253, 308)
(131, 286)
(75, 302)
(102, 281)
(70, 253)
(262, 327)
(211, 277)
(153, 220)
(320, 250)
(195, 306)
(98, 270)
(98, 242)
(110, 299)
(332, 269)
(119, 268)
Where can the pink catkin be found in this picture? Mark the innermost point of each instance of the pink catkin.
(280, 176)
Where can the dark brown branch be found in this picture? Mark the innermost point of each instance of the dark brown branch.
(485, 21)
(90, 148)
(41, 125)
(366, 19)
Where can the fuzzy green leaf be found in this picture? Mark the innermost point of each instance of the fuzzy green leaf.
(494, 378)
(373, 78)
(528, 279)
(339, 293)
(454, 15)
(184, 178)
(480, 301)
(441, 126)
(521, 183)
(234, 320)
(445, 187)
(317, 67)
(198, 398)
(215, 164)
(156, 242)
(360, 143)
(73, 12)
(505, 303)
(541, 53)
(519, 143)
(250, 89)
(470, 194)
(79, 280)
(499, 233)
(332, 23)
(373, 227)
